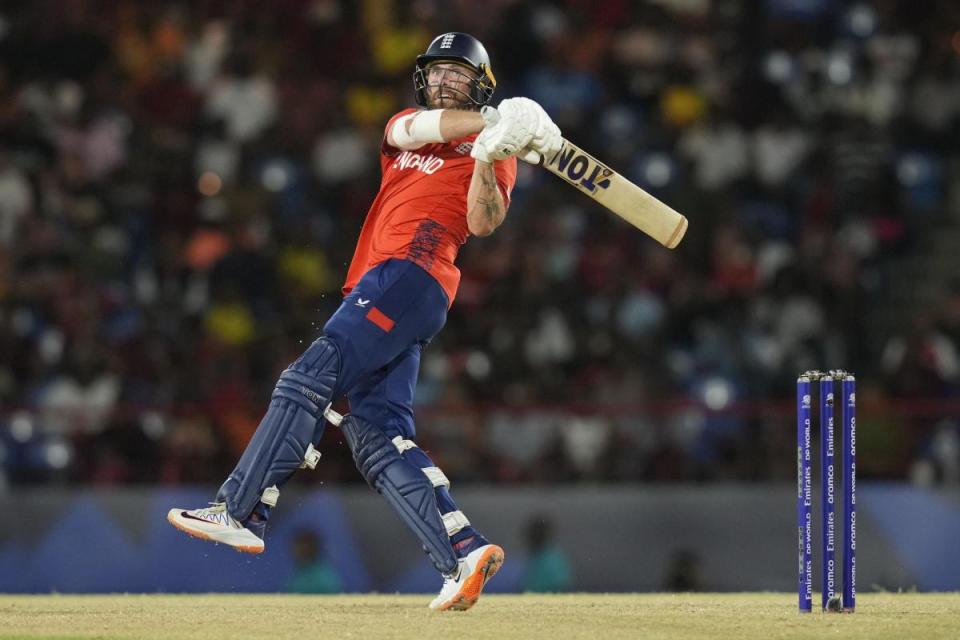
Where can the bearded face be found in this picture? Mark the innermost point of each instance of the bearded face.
(448, 85)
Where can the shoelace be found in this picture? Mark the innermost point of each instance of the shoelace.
(215, 508)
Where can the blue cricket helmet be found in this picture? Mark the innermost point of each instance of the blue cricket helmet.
(465, 49)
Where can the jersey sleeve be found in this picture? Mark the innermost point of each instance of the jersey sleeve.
(506, 172)
(385, 148)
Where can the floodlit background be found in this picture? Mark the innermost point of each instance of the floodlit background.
(181, 188)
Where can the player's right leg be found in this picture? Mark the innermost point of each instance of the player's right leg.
(381, 408)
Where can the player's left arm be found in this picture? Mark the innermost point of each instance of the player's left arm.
(415, 130)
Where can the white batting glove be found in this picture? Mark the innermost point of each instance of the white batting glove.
(544, 146)
(546, 140)
(504, 136)
(490, 116)
(481, 145)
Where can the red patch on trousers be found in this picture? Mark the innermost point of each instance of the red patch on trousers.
(380, 319)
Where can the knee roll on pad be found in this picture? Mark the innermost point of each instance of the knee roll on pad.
(284, 440)
(404, 486)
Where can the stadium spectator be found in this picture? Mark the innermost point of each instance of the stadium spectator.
(548, 568)
(313, 573)
(170, 201)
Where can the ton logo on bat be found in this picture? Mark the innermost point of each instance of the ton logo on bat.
(575, 166)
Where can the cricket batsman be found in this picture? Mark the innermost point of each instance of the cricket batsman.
(448, 171)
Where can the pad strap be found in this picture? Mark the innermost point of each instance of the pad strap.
(402, 444)
(311, 458)
(270, 496)
(436, 477)
(454, 521)
(332, 416)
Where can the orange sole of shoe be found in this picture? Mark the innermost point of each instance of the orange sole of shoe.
(202, 536)
(490, 563)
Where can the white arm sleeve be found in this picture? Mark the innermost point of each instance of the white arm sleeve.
(424, 129)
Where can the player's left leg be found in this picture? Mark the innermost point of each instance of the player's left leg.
(394, 305)
(384, 402)
(283, 442)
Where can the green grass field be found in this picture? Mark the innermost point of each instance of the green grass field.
(559, 617)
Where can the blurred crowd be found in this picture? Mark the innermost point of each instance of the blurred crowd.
(182, 185)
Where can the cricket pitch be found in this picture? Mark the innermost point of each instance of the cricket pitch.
(742, 616)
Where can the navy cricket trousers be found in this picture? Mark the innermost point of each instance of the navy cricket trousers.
(381, 328)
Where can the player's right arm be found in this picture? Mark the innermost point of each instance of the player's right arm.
(486, 205)
(420, 128)
(520, 123)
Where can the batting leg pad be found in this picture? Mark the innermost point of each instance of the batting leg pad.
(404, 485)
(284, 440)
(463, 536)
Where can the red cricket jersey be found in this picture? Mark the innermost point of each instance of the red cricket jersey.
(420, 213)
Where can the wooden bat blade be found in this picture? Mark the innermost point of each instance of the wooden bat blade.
(616, 193)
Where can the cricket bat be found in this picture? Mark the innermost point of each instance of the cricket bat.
(616, 193)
